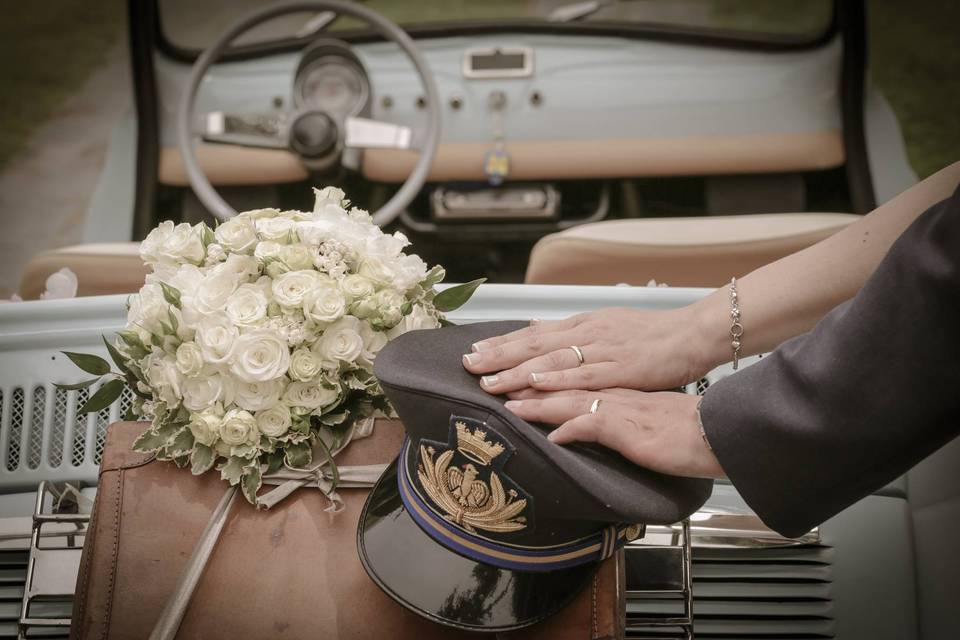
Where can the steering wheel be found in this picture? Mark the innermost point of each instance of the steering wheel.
(397, 137)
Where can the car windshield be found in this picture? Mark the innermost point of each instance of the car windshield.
(191, 25)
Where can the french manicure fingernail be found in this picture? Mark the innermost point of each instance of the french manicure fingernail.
(552, 436)
(536, 377)
(512, 404)
(476, 346)
(470, 358)
(489, 381)
(534, 320)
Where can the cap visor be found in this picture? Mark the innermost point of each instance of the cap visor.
(446, 587)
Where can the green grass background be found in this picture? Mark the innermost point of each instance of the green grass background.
(48, 49)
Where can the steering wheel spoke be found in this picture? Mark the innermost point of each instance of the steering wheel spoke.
(364, 133)
(307, 133)
(259, 130)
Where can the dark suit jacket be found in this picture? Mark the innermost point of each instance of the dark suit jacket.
(832, 415)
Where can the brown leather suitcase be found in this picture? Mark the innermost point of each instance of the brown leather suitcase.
(290, 572)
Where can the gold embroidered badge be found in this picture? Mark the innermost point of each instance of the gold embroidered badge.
(461, 491)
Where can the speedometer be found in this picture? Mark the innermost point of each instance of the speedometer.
(332, 84)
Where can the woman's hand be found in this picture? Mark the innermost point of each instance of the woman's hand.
(649, 350)
(659, 431)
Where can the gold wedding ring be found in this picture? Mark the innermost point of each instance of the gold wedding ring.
(579, 353)
(595, 405)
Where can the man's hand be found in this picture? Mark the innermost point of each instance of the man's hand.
(659, 431)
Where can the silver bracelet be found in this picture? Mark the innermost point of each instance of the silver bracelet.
(736, 329)
(703, 433)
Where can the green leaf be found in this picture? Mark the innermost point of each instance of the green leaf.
(446, 323)
(298, 455)
(171, 294)
(206, 234)
(174, 323)
(115, 355)
(157, 437)
(406, 308)
(202, 459)
(131, 414)
(94, 365)
(182, 443)
(251, 484)
(77, 385)
(131, 339)
(104, 396)
(232, 470)
(274, 461)
(456, 297)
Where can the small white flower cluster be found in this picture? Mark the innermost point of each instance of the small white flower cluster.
(252, 344)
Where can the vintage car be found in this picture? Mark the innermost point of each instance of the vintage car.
(552, 143)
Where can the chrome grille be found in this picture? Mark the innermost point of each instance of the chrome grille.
(13, 575)
(752, 593)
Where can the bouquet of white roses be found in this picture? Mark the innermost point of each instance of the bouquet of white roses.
(251, 346)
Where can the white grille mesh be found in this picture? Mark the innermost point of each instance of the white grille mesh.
(16, 429)
(37, 414)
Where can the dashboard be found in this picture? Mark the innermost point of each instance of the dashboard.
(553, 106)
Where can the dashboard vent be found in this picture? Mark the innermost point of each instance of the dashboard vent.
(776, 593)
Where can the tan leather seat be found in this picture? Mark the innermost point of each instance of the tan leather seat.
(101, 269)
(682, 252)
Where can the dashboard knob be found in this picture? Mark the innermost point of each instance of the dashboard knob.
(313, 134)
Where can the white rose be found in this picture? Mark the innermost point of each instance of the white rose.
(189, 359)
(267, 249)
(304, 365)
(408, 271)
(376, 270)
(316, 232)
(205, 426)
(275, 421)
(215, 253)
(327, 195)
(254, 396)
(383, 245)
(278, 229)
(373, 341)
(216, 336)
(310, 395)
(182, 244)
(147, 310)
(297, 256)
(207, 389)
(389, 303)
(259, 214)
(341, 341)
(357, 287)
(214, 290)
(290, 288)
(237, 234)
(247, 305)
(324, 303)
(164, 377)
(418, 318)
(244, 267)
(150, 246)
(238, 427)
(259, 356)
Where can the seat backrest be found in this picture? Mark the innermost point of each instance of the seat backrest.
(689, 252)
(102, 269)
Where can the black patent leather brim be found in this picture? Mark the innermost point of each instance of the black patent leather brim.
(446, 587)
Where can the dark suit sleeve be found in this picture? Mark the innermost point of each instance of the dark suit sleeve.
(834, 414)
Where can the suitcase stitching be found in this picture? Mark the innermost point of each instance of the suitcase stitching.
(116, 549)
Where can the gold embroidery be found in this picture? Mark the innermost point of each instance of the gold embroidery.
(468, 501)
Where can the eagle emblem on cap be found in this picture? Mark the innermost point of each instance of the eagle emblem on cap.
(471, 494)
